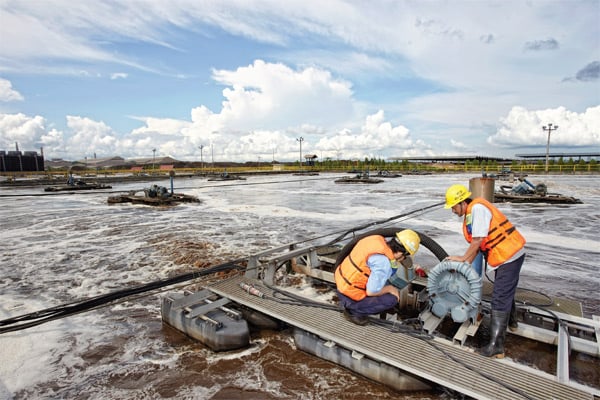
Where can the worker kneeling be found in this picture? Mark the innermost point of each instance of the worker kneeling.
(362, 277)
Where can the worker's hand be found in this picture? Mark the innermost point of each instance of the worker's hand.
(420, 271)
(393, 290)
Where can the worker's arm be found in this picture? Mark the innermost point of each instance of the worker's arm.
(470, 253)
(380, 272)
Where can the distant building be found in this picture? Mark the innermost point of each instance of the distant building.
(112, 162)
(310, 159)
(15, 161)
(565, 156)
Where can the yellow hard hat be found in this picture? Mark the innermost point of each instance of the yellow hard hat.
(409, 239)
(455, 194)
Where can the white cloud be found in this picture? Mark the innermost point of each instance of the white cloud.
(118, 75)
(157, 127)
(7, 93)
(90, 137)
(522, 127)
(264, 86)
(272, 95)
(468, 56)
(43, 37)
(21, 129)
(377, 138)
(457, 144)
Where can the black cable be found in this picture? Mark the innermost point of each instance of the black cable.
(381, 222)
(548, 304)
(53, 313)
(473, 369)
(97, 191)
(403, 327)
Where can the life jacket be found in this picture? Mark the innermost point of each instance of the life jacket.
(503, 240)
(352, 274)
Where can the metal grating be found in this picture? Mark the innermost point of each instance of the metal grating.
(524, 296)
(419, 357)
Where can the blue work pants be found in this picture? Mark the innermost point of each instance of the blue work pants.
(369, 305)
(505, 284)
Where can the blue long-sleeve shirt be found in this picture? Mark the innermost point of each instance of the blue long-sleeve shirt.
(381, 270)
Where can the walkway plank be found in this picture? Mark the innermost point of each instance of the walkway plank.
(436, 361)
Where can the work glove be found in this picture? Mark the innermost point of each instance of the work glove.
(420, 271)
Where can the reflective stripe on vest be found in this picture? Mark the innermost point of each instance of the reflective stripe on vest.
(503, 240)
(352, 274)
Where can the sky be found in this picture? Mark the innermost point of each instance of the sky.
(264, 80)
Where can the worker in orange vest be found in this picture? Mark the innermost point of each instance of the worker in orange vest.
(362, 277)
(490, 233)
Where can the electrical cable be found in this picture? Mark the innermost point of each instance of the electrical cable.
(543, 307)
(484, 374)
(404, 327)
(53, 313)
(344, 234)
(42, 316)
(70, 192)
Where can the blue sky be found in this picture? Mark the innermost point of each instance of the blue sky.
(246, 79)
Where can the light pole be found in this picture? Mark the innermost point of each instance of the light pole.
(548, 128)
(201, 161)
(300, 139)
(153, 158)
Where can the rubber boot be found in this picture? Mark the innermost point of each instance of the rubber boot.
(495, 348)
(361, 320)
(513, 324)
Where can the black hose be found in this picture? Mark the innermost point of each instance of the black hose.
(53, 313)
(426, 241)
(343, 235)
(49, 314)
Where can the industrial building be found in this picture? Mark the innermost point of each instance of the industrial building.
(17, 161)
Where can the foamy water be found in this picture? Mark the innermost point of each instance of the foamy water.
(63, 248)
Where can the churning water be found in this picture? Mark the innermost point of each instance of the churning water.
(63, 248)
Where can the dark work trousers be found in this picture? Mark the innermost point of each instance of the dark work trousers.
(505, 284)
(369, 305)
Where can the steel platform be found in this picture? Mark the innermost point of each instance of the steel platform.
(435, 360)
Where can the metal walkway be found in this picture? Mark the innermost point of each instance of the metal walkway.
(433, 360)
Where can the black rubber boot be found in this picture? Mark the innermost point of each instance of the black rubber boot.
(512, 318)
(361, 320)
(495, 348)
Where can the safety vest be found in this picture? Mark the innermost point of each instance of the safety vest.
(352, 274)
(503, 240)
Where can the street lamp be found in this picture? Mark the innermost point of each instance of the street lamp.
(201, 161)
(153, 158)
(300, 139)
(548, 128)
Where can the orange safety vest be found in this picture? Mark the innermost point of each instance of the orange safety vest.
(352, 274)
(503, 240)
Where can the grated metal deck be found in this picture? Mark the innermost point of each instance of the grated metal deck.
(416, 356)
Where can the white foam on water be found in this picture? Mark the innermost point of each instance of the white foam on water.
(27, 355)
(65, 248)
(256, 346)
